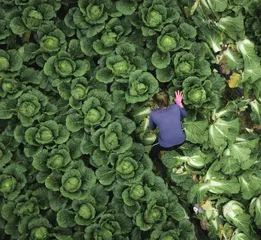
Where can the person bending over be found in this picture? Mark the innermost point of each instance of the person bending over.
(168, 120)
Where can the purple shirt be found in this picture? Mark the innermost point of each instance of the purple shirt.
(169, 123)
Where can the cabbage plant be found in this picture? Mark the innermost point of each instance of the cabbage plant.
(155, 14)
(184, 64)
(14, 211)
(32, 18)
(142, 86)
(170, 39)
(136, 192)
(48, 132)
(96, 232)
(109, 226)
(199, 93)
(124, 167)
(10, 87)
(79, 90)
(76, 82)
(52, 39)
(255, 210)
(12, 180)
(87, 210)
(74, 183)
(94, 12)
(35, 227)
(29, 105)
(4, 31)
(133, 196)
(96, 111)
(63, 66)
(105, 43)
(5, 154)
(120, 66)
(237, 235)
(89, 17)
(112, 138)
(152, 216)
(76, 91)
(55, 160)
(129, 167)
(10, 60)
(234, 212)
(192, 159)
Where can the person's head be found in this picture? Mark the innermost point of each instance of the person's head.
(161, 99)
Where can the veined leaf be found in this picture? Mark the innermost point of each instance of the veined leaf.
(222, 132)
(195, 131)
(256, 112)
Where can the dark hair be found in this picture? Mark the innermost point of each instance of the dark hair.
(161, 99)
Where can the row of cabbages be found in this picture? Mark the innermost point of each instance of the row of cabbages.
(76, 79)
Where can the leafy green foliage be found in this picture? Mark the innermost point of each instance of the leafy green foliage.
(76, 85)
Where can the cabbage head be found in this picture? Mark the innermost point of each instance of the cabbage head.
(46, 133)
(89, 209)
(197, 96)
(170, 40)
(77, 181)
(170, 235)
(63, 66)
(29, 106)
(95, 231)
(142, 85)
(8, 86)
(166, 43)
(136, 193)
(119, 65)
(32, 18)
(79, 91)
(12, 181)
(112, 138)
(94, 12)
(21, 207)
(198, 92)
(39, 233)
(58, 159)
(156, 14)
(152, 215)
(10, 60)
(95, 113)
(126, 167)
(184, 64)
(37, 227)
(51, 38)
(86, 212)
(109, 39)
(153, 16)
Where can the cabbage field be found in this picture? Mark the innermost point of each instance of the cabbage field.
(76, 86)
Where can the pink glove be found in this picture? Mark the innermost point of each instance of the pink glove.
(178, 98)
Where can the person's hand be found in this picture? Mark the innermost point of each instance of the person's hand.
(178, 98)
